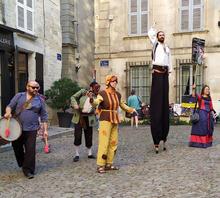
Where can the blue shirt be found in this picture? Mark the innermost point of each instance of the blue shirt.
(29, 117)
(134, 101)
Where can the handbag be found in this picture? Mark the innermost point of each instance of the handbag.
(194, 118)
(140, 103)
(128, 115)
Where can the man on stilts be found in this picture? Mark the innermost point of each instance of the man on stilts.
(159, 100)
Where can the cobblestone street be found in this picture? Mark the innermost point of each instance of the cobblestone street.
(179, 172)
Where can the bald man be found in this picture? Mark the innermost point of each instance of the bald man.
(28, 107)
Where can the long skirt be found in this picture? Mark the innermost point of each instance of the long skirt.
(202, 131)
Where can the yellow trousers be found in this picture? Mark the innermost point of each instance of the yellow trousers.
(108, 142)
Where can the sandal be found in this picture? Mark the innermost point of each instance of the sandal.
(111, 167)
(101, 169)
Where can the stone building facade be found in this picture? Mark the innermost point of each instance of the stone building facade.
(31, 45)
(77, 20)
(122, 46)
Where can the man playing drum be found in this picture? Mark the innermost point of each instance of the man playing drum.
(28, 107)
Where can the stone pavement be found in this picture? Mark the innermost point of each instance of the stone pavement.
(179, 172)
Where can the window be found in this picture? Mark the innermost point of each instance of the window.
(191, 15)
(138, 17)
(138, 77)
(25, 15)
(187, 74)
(22, 69)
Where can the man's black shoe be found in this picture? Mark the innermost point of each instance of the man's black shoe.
(76, 159)
(29, 175)
(91, 156)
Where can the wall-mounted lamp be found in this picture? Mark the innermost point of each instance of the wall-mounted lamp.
(77, 67)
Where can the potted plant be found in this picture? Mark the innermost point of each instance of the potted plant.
(58, 97)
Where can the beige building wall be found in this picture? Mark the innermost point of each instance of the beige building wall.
(113, 43)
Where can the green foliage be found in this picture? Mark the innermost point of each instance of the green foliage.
(58, 96)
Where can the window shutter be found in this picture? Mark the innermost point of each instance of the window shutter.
(196, 2)
(197, 14)
(184, 19)
(133, 6)
(144, 23)
(29, 20)
(20, 17)
(144, 16)
(196, 18)
(133, 24)
(133, 16)
(185, 3)
(138, 17)
(144, 5)
(29, 3)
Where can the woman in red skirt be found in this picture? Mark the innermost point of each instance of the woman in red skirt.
(202, 131)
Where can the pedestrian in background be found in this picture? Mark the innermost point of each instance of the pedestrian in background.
(159, 99)
(202, 131)
(134, 102)
(28, 107)
(109, 101)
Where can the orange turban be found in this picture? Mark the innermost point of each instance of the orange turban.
(110, 78)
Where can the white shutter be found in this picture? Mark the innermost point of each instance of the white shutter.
(144, 5)
(196, 2)
(196, 18)
(133, 19)
(191, 13)
(29, 20)
(184, 15)
(144, 23)
(197, 14)
(133, 5)
(138, 17)
(184, 20)
(25, 15)
(29, 3)
(20, 17)
(144, 16)
(185, 3)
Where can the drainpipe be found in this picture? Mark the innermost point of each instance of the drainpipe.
(3, 11)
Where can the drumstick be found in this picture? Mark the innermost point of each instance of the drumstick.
(45, 139)
(7, 130)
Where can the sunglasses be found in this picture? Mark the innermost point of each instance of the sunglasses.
(34, 87)
(115, 81)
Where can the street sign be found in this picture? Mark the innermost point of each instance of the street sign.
(59, 57)
(104, 63)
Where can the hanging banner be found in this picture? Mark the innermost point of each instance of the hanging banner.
(198, 46)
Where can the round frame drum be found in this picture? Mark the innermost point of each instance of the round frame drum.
(14, 129)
